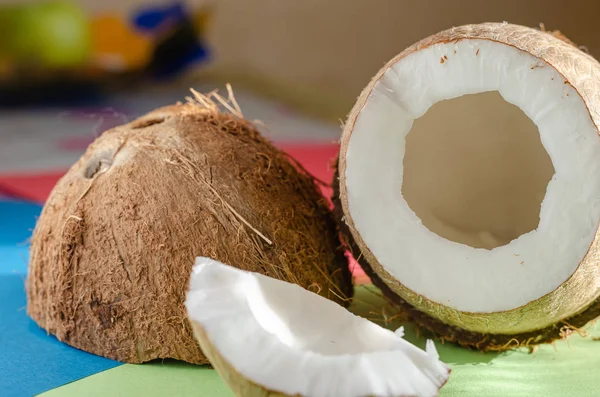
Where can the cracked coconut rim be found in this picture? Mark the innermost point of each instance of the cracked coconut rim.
(430, 271)
(265, 334)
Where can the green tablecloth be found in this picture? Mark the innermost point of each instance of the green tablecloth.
(567, 369)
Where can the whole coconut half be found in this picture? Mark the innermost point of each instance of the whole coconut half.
(469, 184)
(113, 250)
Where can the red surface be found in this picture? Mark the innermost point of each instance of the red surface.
(316, 159)
(32, 187)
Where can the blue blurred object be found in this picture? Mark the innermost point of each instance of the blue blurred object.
(170, 66)
(149, 19)
(181, 45)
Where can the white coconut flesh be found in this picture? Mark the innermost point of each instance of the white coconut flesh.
(286, 339)
(476, 232)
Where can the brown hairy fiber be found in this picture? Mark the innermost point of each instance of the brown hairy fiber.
(112, 251)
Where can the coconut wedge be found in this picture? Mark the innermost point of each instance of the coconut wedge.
(269, 337)
(469, 184)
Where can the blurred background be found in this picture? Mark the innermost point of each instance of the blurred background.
(69, 70)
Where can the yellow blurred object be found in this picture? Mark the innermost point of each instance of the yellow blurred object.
(118, 46)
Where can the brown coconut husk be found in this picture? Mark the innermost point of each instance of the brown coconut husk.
(112, 252)
(573, 310)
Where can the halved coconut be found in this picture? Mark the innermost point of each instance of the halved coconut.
(269, 337)
(112, 251)
(481, 221)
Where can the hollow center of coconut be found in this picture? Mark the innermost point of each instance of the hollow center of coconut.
(475, 170)
(474, 207)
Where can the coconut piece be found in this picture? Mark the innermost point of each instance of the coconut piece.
(269, 337)
(112, 252)
(478, 250)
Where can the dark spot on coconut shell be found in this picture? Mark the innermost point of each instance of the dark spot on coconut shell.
(106, 314)
(144, 123)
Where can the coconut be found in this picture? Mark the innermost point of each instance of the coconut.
(112, 251)
(267, 337)
(468, 185)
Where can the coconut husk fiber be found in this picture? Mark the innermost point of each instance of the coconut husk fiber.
(112, 252)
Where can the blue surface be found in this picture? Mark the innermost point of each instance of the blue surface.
(17, 220)
(32, 361)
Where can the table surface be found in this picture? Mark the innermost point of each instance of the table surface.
(36, 363)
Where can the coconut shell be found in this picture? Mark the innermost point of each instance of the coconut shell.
(582, 72)
(238, 383)
(455, 334)
(112, 252)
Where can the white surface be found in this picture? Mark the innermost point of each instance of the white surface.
(288, 339)
(450, 273)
